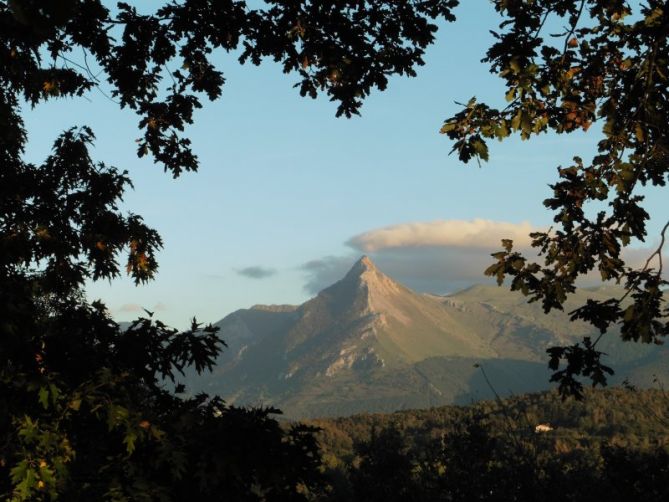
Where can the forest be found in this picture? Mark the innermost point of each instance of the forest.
(612, 445)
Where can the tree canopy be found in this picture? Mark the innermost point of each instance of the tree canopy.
(608, 67)
(91, 411)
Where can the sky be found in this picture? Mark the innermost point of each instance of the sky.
(288, 196)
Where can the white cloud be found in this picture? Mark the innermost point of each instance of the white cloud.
(477, 233)
(441, 256)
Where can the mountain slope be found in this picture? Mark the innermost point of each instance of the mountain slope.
(368, 343)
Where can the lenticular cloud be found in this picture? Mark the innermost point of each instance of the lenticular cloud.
(477, 233)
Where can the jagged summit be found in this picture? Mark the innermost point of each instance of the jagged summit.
(364, 264)
(364, 275)
(368, 343)
(366, 260)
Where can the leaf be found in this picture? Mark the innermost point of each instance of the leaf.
(44, 397)
(158, 434)
(480, 148)
(511, 94)
(129, 441)
(18, 472)
(448, 127)
(502, 130)
(54, 392)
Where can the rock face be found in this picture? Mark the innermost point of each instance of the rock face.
(368, 343)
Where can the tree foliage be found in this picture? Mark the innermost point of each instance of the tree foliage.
(610, 446)
(608, 66)
(90, 411)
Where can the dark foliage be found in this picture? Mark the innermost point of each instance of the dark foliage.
(89, 411)
(384, 472)
(611, 446)
(607, 64)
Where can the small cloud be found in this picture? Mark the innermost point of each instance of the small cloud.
(130, 307)
(256, 272)
(477, 233)
(160, 307)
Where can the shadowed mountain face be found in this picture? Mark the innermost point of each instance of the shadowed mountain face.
(368, 343)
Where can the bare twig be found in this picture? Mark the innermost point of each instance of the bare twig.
(572, 29)
(658, 251)
(95, 80)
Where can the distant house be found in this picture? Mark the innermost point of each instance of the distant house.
(543, 428)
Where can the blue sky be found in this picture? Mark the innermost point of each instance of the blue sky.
(283, 183)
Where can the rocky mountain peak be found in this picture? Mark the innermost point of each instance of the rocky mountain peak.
(364, 264)
(366, 261)
(364, 275)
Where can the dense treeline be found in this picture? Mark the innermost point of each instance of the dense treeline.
(613, 445)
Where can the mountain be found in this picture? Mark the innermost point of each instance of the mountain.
(368, 343)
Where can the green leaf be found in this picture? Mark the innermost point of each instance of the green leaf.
(18, 472)
(44, 397)
(55, 393)
(129, 441)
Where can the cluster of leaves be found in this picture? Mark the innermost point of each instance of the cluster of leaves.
(159, 64)
(609, 65)
(90, 411)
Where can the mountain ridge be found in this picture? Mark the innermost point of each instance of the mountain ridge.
(369, 343)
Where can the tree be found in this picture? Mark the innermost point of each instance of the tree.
(609, 66)
(90, 411)
(385, 468)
